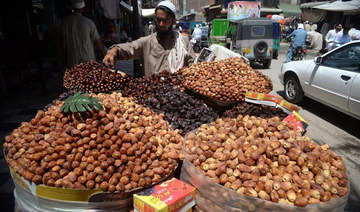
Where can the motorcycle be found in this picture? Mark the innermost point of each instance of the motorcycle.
(196, 44)
(299, 53)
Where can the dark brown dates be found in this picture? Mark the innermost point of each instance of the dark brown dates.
(262, 111)
(182, 111)
(93, 77)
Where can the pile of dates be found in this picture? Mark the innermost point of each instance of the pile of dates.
(62, 97)
(226, 80)
(265, 158)
(123, 147)
(142, 88)
(181, 110)
(92, 77)
(262, 111)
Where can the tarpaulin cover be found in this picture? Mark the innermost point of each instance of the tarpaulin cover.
(289, 10)
(341, 6)
(313, 15)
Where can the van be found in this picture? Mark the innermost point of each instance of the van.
(252, 38)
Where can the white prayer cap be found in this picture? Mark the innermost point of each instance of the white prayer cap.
(300, 26)
(78, 4)
(169, 5)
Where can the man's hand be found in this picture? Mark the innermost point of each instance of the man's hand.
(110, 57)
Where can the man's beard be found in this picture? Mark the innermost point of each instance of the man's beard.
(162, 33)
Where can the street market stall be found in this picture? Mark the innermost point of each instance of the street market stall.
(112, 136)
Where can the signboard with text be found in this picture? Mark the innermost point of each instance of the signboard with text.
(238, 10)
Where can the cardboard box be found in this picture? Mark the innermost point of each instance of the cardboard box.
(271, 100)
(169, 196)
(297, 121)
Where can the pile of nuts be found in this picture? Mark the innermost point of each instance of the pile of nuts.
(262, 111)
(92, 77)
(181, 110)
(226, 80)
(142, 88)
(265, 158)
(123, 147)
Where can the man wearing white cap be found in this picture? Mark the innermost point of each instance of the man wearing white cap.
(299, 40)
(78, 37)
(166, 49)
(196, 35)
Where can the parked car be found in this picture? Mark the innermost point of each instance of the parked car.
(332, 79)
(253, 38)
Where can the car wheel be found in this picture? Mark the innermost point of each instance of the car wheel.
(267, 63)
(293, 90)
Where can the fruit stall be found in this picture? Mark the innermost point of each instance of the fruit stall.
(210, 137)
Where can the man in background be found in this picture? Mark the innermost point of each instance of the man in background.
(78, 37)
(299, 40)
(196, 35)
(342, 37)
(331, 35)
(316, 41)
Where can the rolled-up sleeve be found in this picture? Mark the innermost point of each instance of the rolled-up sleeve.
(132, 50)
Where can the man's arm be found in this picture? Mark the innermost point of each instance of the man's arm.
(291, 34)
(327, 37)
(125, 51)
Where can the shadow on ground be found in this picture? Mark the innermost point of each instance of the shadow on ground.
(336, 118)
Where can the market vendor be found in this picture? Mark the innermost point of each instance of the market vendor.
(166, 49)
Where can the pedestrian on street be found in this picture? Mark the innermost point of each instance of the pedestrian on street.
(316, 41)
(331, 35)
(299, 40)
(342, 37)
(196, 35)
(78, 37)
(166, 49)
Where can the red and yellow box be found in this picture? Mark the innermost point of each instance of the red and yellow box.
(169, 196)
(263, 97)
(297, 121)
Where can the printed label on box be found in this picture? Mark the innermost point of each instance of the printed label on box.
(271, 100)
(297, 121)
(169, 196)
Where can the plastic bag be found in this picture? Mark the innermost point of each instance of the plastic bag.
(214, 197)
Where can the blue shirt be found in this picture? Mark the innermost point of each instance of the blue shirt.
(342, 38)
(299, 37)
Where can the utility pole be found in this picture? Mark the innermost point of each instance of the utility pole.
(137, 33)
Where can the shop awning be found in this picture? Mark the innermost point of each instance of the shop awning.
(341, 6)
(270, 10)
(289, 10)
(312, 4)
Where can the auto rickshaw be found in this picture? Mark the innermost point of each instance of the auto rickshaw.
(276, 37)
(253, 38)
(218, 30)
